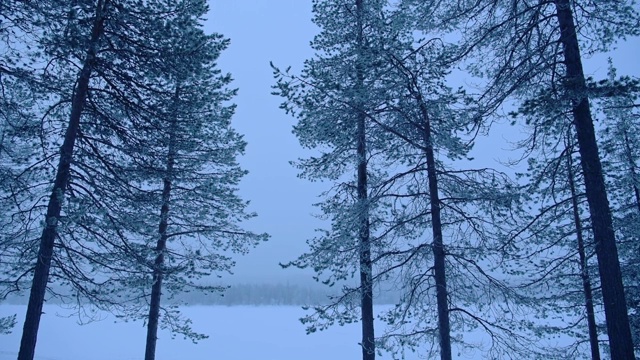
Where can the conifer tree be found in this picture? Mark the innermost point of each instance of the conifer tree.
(415, 127)
(331, 99)
(185, 160)
(521, 47)
(616, 99)
(443, 204)
(107, 88)
(554, 254)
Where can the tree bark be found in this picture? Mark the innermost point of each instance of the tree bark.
(439, 267)
(615, 308)
(161, 246)
(364, 239)
(584, 270)
(54, 207)
(366, 283)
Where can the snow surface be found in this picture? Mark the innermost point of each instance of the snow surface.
(236, 333)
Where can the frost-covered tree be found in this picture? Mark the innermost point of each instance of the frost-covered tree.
(184, 161)
(19, 129)
(441, 204)
(72, 36)
(552, 257)
(617, 102)
(331, 99)
(113, 76)
(426, 228)
(522, 46)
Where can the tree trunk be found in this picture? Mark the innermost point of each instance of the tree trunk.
(615, 306)
(584, 270)
(439, 267)
(366, 283)
(364, 241)
(161, 246)
(54, 207)
(158, 274)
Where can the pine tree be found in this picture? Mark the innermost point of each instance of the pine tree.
(331, 102)
(520, 47)
(459, 210)
(616, 99)
(415, 127)
(553, 257)
(194, 184)
(107, 114)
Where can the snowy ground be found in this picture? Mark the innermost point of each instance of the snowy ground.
(236, 333)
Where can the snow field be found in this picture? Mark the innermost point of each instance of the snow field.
(235, 333)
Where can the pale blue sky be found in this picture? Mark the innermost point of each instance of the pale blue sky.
(280, 31)
(263, 31)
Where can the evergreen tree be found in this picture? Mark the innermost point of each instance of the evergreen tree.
(553, 257)
(519, 46)
(108, 92)
(616, 99)
(458, 209)
(185, 162)
(415, 126)
(332, 98)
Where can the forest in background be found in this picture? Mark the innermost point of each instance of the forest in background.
(251, 294)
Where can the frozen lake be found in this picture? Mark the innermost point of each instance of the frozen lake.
(235, 333)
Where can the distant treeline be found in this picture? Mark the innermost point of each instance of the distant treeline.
(255, 294)
(272, 294)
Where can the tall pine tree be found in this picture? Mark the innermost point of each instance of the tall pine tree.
(519, 47)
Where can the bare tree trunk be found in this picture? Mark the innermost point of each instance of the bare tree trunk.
(615, 306)
(439, 267)
(54, 207)
(161, 246)
(364, 236)
(366, 269)
(158, 274)
(584, 270)
(366, 283)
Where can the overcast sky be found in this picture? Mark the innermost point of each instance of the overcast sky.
(263, 31)
(280, 31)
